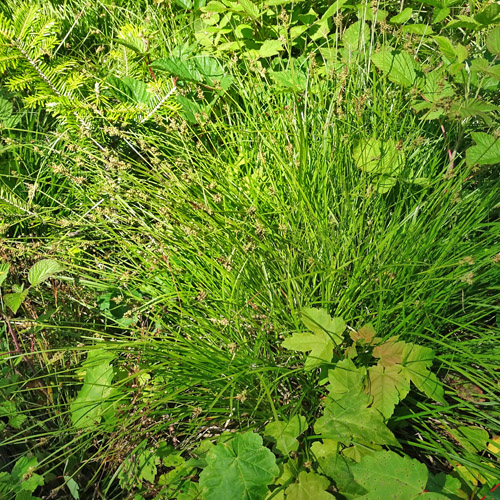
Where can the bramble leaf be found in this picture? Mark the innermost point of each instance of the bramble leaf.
(240, 468)
(349, 420)
(399, 67)
(43, 270)
(387, 386)
(485, 152)
(14, 300)
(309, 485)
(284, 434)
(493, 41)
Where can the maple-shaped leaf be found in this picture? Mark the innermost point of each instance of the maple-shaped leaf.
(337, 467)
(390, 352)
(240, 468)
(284, 434)
(385, 475)
(416, 362)
(365, 334)
(387, 385)
(319, 321)
(320, 345)
(350, 420)
(309, 485)
(346, 378)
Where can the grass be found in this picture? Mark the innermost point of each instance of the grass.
(192, 247)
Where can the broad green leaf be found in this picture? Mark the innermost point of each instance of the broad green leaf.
(129, 89)
(483, 66)
(435, 86)
(489, 15)
(356, 36)
(308, 486)
(43, 270)
(93, 399)
(183, 68)
(73, 487)
(337, 467)
(270, 48)
(387, 386)
(446, 47)
(320, 345)
(333, 9)
(346, 379)
(285, 434)
(378, 157)
(357, 451)
(493, 41)
(214, 6)
(23, 474)
(5, 110)
(349, 420)
(385, 475)
(240, 468)
(14, 300)
(473, 439)
(417, 29)
(443, 483)
(440, 14)
(319, 321)
(473, 107)
(485, 152)
(399, 67)
(416, 362)
(9, 410)
(402, 17)
(294, 81)
(249, 8)
(4, 271)
(327, 333)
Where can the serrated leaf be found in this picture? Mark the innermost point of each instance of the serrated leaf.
(345, 379)
(418, 29)
(387, 386)
(285, 434)
(309, 485)
(443, 483)
(4, 271)
(399, 67)
(378, 157)
(356, 36)
(385, 475)
(319, 321)
(489, 15)
(320, 345)
(93, 399)
(446, 47)
(337, 467)
(365, 334)
(402, 17)
(270, 48)
(295, 81)
(416, 362)
(9, 410)
(493, 41)
(240, 468)
(14, 300)
(349, 420)
(43, 270)
(5, 110)
(440, 14)
(485, 152)
(22, 474)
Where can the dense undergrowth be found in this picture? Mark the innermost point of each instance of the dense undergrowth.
(250, 249)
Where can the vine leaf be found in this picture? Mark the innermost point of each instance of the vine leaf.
(284, 434)
(43, 270)
(416, 362)
(92, 401)
(309, 485)
(337, 467)
(345, 379)
(385, 474)
(387, 386)
(349, 420)
(390, 352)
(326, 333)
(240, 468)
